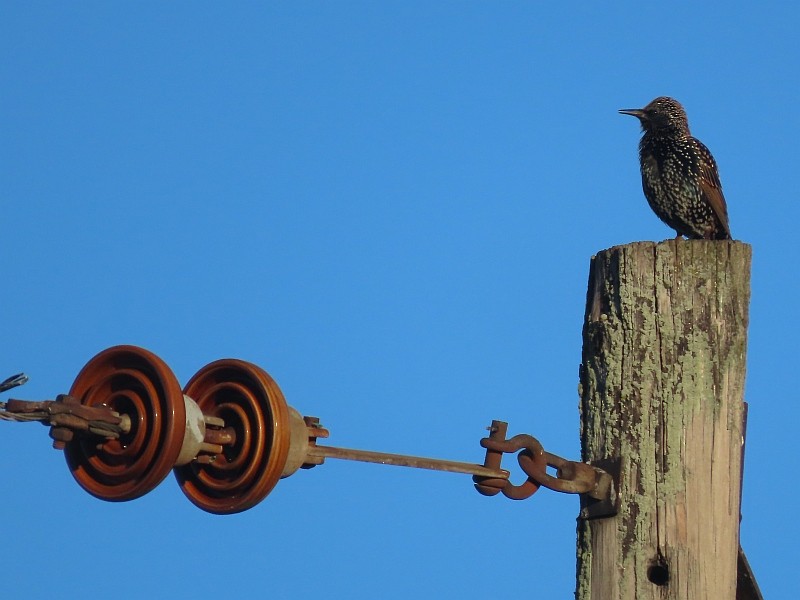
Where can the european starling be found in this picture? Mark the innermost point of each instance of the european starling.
(679, 175)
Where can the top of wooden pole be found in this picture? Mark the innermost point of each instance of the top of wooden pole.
(662, 383)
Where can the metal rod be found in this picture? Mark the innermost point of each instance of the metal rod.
(401, 460)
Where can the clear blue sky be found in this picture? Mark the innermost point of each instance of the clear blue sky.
(391, 207)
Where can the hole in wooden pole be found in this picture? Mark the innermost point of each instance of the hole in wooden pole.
(658, 573)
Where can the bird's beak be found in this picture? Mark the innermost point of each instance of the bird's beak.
(634, 112)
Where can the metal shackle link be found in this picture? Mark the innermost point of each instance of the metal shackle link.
(496, 445)
(571, 477)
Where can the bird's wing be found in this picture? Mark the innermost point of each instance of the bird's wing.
(711, 188)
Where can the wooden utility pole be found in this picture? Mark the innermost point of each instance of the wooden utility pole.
(662, 384)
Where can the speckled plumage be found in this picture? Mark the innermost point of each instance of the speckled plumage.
(679, 175)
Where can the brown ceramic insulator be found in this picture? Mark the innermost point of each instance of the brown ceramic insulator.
(136, 383)
(250, 403)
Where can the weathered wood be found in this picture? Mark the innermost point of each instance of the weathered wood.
(662, 384)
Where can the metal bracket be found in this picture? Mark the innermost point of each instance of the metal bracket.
(608, 504)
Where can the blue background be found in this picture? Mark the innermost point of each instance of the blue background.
(391, 207)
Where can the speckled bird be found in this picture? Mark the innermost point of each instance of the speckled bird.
(679, 175)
